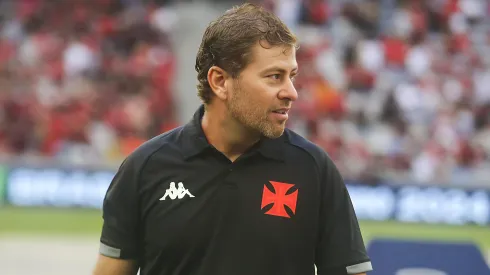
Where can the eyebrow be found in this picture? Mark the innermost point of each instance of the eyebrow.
(279, 69)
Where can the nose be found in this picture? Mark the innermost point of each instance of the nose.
(288, 92)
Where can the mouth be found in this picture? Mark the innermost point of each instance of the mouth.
(280, 114)
(282, 111)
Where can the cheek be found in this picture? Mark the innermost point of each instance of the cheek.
(255, 94)
(261, 93)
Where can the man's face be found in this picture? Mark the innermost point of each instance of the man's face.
(263, 93)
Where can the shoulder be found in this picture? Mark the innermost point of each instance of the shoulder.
(315, 152)
(164, 143)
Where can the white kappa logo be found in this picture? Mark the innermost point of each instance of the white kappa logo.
(176, 193)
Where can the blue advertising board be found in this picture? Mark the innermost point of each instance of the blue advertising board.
(397, 257)
(71, 187)
(421, 204)
(57, 187)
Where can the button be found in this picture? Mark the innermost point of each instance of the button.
(230, 184)
(231, 169)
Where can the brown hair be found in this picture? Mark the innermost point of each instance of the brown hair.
(228, 40)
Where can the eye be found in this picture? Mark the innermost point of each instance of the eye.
(275, 76)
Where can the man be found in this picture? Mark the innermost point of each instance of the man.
(252, 197)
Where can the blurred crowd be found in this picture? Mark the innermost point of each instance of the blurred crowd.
(84, 81)
(390, 88)
(395, 89)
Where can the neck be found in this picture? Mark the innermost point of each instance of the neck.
(226, 134)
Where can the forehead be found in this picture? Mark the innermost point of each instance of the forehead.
(264, 55)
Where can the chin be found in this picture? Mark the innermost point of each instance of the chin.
(273, 133)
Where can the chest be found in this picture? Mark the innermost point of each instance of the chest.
(258, 204)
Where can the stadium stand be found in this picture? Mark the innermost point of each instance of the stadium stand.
(395, 89)
(84, 80)
(391, 89)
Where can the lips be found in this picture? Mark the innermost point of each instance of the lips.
(282, 111)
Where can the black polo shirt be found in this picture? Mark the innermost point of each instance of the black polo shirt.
(179, 207)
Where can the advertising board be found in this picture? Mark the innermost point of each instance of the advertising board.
(3, 183)
(27, 186)
(57, 187)
(402, 257)
(421, 204)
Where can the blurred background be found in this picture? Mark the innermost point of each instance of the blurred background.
(396, 91)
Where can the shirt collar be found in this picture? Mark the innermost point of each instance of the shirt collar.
(272, 148)
(195, 141)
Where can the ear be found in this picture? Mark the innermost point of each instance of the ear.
(217, 79)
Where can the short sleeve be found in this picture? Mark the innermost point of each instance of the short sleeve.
(120, 238)
(340, 248)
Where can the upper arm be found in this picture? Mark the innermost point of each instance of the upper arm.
(120, 238)
(107, 266)
(340, 248)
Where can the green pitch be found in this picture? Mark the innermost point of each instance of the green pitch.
(89, 222)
